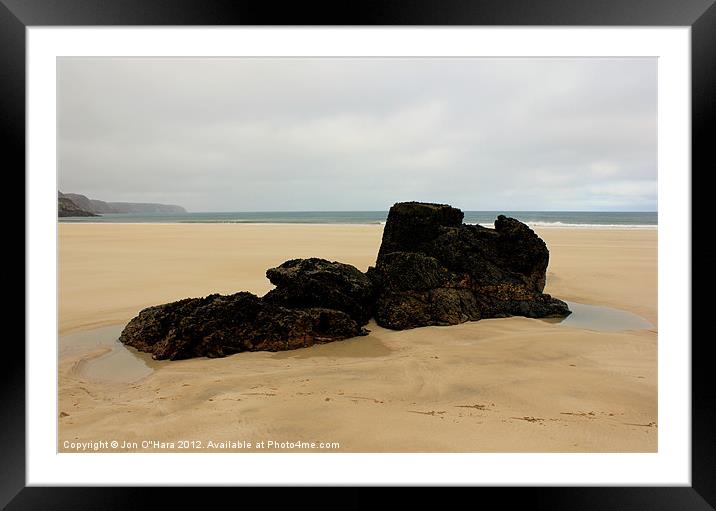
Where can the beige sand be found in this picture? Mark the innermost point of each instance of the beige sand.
(503, 385)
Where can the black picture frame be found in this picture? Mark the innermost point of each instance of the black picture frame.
(700, 15)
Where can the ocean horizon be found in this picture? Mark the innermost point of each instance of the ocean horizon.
(564, 219)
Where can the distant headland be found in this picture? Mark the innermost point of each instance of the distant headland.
(74, 204)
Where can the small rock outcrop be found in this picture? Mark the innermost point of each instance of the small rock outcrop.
(314, 282)
(218, 325)
(431, 270)
(434, 270)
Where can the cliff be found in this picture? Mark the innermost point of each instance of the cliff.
(99, 206)
(67, 208)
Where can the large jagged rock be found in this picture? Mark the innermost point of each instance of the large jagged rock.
(434, 270)
(216, 326)
(314, 282)
(431, 270)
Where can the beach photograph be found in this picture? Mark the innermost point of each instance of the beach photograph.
(357, 255)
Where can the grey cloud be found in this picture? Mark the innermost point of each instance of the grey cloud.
(360, 134)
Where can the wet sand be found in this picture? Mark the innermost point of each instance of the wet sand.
(504, 385)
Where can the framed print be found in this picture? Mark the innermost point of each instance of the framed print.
(422, 246)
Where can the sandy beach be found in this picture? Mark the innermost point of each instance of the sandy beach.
(500, 385)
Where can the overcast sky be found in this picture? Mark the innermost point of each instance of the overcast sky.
(328, 134)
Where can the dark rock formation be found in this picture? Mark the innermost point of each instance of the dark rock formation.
(434, 270)
(67, 208)
(216, 326)
(302, 283)
(431, 270)
(99, 206)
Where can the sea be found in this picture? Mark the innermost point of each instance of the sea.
(556, 219)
